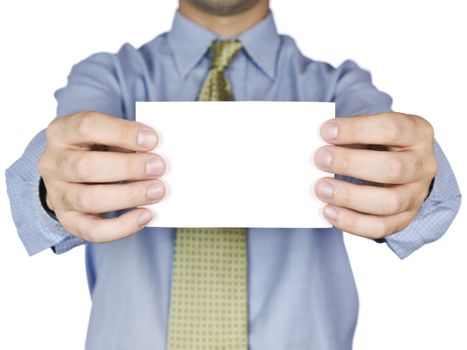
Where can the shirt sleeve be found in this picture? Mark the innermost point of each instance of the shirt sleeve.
(93, 85)
(355, 94)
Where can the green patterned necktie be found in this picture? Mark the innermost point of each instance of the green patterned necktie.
(208, 308)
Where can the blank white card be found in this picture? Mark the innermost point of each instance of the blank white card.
(238, 164)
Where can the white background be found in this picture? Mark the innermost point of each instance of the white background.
(415, 51)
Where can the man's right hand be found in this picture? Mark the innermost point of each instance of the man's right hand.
(86, 157)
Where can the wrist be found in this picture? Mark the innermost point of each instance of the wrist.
(44, 200)
(430, 188)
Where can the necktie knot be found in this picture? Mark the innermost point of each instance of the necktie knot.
(216, 87)
(223, 52)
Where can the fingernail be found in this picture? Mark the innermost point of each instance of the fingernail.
(330, 131)
(144, 218)
(323, 158)
(154, 167)
(147, 138)
(324, 190)
(330, 213)
(154, 191)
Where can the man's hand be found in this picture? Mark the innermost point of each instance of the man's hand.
(86, 158)
(394, 154)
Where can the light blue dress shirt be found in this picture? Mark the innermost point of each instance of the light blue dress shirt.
(301, 289)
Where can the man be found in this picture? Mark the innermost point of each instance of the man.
(301, 293)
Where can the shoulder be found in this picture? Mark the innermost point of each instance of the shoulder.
(126, 61)
(318, 80)
(290, 51)
(110, 82)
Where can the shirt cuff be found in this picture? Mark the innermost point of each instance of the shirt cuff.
(383, 240)
(435, 215)
(69, 241)
(59, 240)
(36, 228)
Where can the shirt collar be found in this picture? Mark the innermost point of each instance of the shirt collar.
(261, 42)
(189, 42)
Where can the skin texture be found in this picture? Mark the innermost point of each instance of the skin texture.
(225, 18)
(81, 177)
(88, 155)
(398, 172)
(223, 7)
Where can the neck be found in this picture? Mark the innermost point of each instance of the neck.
(227, 26)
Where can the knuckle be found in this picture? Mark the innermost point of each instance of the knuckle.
(80, 168)
(62, 162)
(395, 203)
(124, 134)
(340, 160)
(396, 169)
(432, 168)
(50, 197)
(427, 127)
(343, 197)
(411, 121)
(88, 235)
(65, 200)
(403, 225)
(135, 197)
(43, 165)
(68, 224)
(53, 128)
(92, 235)
(422, 120)
(85, 123)
(382, 229)
(378, 235)
(417, 167)
(411, 202)
(399, 125)
(134, 166)
(424, 129)
(83, 200)
(412, 168)
(349, 223)
(394, 128)
(50, 132)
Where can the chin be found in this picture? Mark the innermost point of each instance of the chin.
(224, 7)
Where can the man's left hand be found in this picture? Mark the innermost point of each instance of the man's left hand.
(394, 154)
